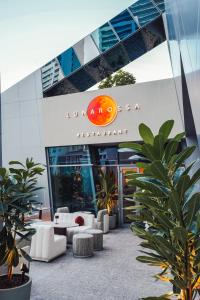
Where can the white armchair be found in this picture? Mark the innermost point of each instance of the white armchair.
(102, 221)
(69, 219)
(45, 245)
(63, 209)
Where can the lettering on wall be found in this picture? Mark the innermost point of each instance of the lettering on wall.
(102, 111)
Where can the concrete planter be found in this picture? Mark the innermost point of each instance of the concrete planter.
(22, 292)
(112, 222)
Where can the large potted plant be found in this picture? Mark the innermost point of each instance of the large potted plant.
(106, 195)
(170, 205)
(17, 198)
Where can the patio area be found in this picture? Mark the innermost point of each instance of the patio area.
(110, 274)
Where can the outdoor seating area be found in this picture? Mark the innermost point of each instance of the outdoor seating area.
(52, 238)
(112, 274)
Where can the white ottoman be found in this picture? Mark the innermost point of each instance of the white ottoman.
(98, 238)
(83, 245)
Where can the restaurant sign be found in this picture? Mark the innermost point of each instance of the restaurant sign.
(101, 112)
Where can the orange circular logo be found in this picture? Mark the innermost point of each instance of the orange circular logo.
(102, 110)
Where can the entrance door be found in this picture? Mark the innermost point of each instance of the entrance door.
(126, 193)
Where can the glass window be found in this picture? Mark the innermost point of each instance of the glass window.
(98, 69)
(68, 61)
(70, 155)
(135, 46)
(104, 37)
(124, 24)
(86, 50)
(117, 57)
(82, 80)
(104, 155)
(73, 186)
(160, 4)
(144, 11)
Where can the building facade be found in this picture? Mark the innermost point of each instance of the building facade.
(51, 117)
(184, 46)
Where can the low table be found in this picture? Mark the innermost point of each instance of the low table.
(83, 245)
(97, 238)
(60, 228)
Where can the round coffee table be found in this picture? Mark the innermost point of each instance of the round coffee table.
(83, 245)
(98, 238)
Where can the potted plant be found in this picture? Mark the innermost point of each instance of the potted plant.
(170, 204)
(17, 197)
(106, 195)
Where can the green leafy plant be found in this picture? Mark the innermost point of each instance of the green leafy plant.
(18, 186)
(120, 78)
(170, 204)
(105, 197)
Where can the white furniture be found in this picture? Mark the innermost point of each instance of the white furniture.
(83, 245)
(63, 209)
(45, 245)
(97, 238)
(102, 221)
(69, 218)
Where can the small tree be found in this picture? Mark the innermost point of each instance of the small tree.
(170, 204)
(105, 197)
(119, 78)
(18, 187)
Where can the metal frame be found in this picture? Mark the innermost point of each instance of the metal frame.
(120, 193)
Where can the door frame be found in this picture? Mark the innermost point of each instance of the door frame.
(121, 170)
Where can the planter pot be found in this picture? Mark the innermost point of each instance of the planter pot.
(112, 222)
(22, 292)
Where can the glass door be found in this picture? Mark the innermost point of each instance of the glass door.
(126, 193)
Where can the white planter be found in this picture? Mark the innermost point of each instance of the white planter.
(112, 222)
(22, 292)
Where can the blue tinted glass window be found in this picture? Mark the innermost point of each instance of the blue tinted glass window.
(160, 4)
(104, 37)
(73, 186)
(68, 61)
(124, 24)
(70, 155)
(144, 11)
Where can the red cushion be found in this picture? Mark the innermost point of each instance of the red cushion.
(79, 220)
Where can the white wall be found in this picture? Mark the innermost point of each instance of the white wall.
(22, 135)
(30, 123)
(157, 101)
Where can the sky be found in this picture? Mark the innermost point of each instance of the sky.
(35, 31)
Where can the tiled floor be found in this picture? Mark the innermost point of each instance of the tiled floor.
(112, 274)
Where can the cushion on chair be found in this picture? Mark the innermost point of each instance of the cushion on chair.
(79, 220)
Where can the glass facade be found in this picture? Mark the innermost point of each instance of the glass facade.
(68, 61)
(74, 173)
(183, 23)
(104, 50)
(124, 24)
(144, 11)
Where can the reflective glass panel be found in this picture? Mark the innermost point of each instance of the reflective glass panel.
(124, 24)
(82, 80)
(160, 4)
(104, 155)
(104, 37)
(98, 69)
(68, 61)
(117, 57)
(69, 155)
(135, 46)
(144, 11)
(86, 50)
(73, 186)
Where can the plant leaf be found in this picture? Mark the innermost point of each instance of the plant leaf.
(166, 129)
(146, 134)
